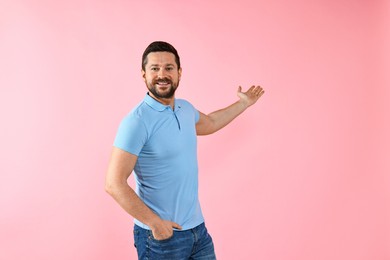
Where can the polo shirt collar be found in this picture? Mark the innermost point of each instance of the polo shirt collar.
(155, 104)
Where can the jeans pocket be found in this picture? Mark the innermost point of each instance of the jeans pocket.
(166, 240)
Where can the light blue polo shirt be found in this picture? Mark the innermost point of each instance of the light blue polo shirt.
(166, 171)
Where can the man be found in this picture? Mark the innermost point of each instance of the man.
(158, 141)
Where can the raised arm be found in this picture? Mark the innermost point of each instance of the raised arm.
(214, 121)
(119, 169)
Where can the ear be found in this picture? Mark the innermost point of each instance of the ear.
(179, 72)
(143, 74)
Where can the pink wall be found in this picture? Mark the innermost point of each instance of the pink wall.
(302, 175)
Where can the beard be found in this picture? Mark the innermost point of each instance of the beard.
(166, 94)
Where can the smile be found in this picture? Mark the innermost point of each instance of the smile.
(163, 83)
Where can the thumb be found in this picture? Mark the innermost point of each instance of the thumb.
(175, 225)
(239, 89)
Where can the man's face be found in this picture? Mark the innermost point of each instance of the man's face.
(161, 74)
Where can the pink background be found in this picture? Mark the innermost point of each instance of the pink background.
(304, 174)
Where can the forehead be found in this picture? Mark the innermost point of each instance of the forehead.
(160, 58)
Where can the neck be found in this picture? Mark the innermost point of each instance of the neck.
(164, 101)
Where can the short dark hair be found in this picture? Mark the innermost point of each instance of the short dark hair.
(159, 46)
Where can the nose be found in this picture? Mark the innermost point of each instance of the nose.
(161, 73)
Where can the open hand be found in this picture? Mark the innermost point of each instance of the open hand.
(251, 95)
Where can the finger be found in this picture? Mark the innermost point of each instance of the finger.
(260, 93)
(177, 226)
(254, 91)
(161, 236)
(259, 90)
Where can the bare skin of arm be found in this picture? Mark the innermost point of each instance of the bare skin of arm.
(120, 167)
(214, 121)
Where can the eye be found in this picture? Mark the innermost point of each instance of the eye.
(169, 68)
(154, 69)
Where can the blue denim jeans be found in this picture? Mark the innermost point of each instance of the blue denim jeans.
(194, 244)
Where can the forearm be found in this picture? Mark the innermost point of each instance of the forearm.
(120, 167)
(220, 118)
(224, 116)
(132, 204)
(212, 122)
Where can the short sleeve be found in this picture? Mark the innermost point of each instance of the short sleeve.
(189, 106)
(196, 116)
(131, 135)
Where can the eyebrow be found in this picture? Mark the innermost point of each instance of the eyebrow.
(169, 64)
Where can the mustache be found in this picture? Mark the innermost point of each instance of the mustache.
(163, 80)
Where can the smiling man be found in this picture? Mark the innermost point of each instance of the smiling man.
(157, 140)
